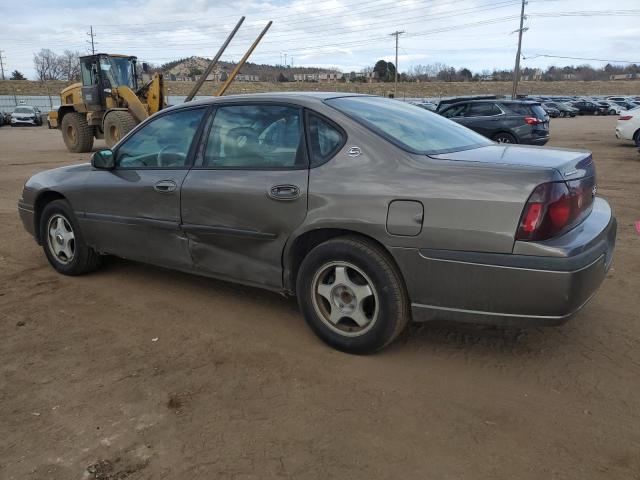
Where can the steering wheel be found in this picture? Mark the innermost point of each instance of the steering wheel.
(167, 156)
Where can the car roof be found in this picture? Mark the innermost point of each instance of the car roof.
(300, 98)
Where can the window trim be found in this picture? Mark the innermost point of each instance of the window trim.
(188, 164)
(336, 150)
(198, 163)
(495, 104)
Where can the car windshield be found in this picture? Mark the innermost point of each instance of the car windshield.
(410, 127)
(23, 110)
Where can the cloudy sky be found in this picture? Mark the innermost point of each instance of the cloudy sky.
(346, 34)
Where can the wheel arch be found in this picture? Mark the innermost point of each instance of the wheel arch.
(62, 111)
(298, 248)
(42, 200)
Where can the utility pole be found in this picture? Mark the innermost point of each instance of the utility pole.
(516, 70)
(2, 64)
(396, 34)
(285, 60)
(91, 34)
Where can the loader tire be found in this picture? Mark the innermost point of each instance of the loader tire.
(77, 133)
(116, 125)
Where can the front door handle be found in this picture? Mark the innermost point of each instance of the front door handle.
(165, 186)
(284, 192)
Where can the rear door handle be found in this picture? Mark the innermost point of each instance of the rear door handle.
(284, 192)
(165, 186)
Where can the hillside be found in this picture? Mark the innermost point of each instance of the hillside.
(431, 89)
(188, 67)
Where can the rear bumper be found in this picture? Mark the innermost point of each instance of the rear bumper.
(537, 141)
(507, 289)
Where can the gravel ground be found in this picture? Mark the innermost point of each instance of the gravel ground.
(142, 373)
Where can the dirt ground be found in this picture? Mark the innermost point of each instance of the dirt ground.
(141, 373)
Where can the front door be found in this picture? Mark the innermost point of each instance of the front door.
(247, 192)
(133, 211)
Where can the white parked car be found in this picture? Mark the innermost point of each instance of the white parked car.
(26, 115)
(628, 127)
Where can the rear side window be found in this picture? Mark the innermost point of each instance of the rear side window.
(325, 139)
(162, 143)
(538, 111)
(255, 137)
(455, 111)
(409, 127)
(482, 110)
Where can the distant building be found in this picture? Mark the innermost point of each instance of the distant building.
(318, 77)
(536, 75)
(625, 76)
(370, 77)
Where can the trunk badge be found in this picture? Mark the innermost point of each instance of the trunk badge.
(354, 151)
(572, 172)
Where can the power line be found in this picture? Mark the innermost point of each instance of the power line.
(536, 55)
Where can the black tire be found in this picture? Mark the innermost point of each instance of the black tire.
(84, 258)
(76, 132)
(636, 138)
(389, 300)
(116, 125)
(504, 137)
(612, 112)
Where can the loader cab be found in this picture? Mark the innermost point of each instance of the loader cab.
(101, 73)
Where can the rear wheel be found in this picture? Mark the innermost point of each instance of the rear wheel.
(504, 137)
(612, 112)
(63, 242)
(116, 125)
(352, 295)
(636, 138)
(76, 132)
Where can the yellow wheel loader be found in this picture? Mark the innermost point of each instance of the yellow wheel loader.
(108, 103)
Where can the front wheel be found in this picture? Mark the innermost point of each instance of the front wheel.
(63, 243)
(352, 295)
(116, 125)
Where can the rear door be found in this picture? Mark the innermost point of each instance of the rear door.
(247, 191)
(483, 117)
(133, 211)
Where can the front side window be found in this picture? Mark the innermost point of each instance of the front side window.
(407, 126)
(162, 143)
(255, 136)
(324, 139)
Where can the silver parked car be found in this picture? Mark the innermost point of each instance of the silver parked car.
(372, 211)
(26, 115)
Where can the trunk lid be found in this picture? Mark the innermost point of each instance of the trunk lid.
(570, 164)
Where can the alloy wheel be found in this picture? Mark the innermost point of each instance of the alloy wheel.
(345, 298)
(61, 239)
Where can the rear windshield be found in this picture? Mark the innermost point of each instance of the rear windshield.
(23, 110)
(410, 127)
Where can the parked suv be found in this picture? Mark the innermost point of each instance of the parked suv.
(628, 127)
(503, 121)
(26, 115)
(564, 109)
(586, 107)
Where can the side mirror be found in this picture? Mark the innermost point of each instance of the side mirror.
(103, 159)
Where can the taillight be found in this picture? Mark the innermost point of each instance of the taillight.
(625, 117)
(555, 207)
(533, 121)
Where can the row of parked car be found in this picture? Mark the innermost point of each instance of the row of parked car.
(22, 115)
(526, 120)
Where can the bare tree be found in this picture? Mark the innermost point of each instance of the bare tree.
(47, 65)
(69, 64)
